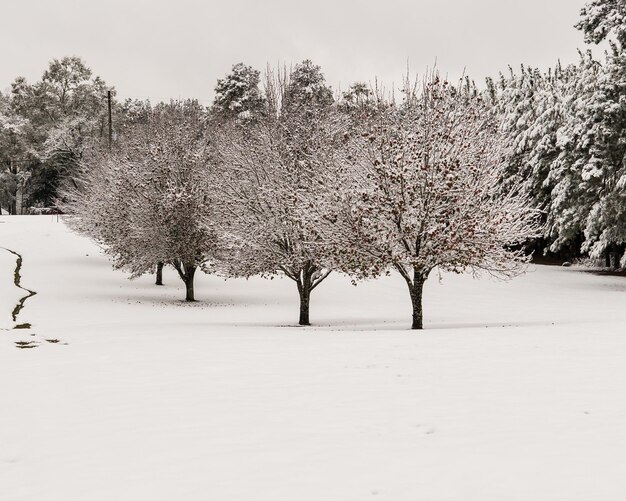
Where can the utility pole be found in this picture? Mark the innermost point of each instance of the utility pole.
(110, 120)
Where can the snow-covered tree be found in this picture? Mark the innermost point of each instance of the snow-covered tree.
(425, 192)
(569, 201)
(75, 103)
(602, 18)
(275, 172)
(238, 94)
(13, 155)
(66, 114)
(535, 108)
(567, 129)
(358, 96)
(131, 112)
(148, 201)
(603, 118)
(307, 86)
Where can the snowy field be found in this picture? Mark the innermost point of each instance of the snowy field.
(515, 391)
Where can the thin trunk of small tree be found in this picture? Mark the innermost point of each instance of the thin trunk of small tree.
(159, 274)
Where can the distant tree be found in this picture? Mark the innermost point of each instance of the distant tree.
(238, 92)
(534, 108)
(14, 174)
(307, 87)
(131, 112)
(602, 18)
(148, 201)
(75, 103)
(602, 116)
(66, 115)
(358, 96)
(424, 192)
(567, 130)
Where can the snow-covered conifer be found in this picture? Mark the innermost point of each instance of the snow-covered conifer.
(601, 19)
(238, 92)
(307, 86)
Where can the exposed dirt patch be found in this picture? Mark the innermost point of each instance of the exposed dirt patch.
(17, 280)
(23, 345)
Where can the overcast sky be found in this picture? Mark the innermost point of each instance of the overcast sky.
(161, 48)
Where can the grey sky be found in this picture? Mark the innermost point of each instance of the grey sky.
(160, 48)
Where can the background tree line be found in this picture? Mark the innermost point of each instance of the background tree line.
(47, 127)
(568, 129)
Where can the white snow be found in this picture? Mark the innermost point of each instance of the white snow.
(514, 391)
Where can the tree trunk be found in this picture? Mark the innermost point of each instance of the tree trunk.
(416, 300)
(305, 286)
(416, 287)
(190, 271)
(159, 274)
(612, 256)
(305, 296)
(186, 273)
(306, 278)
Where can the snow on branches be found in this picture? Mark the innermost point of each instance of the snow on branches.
(148, 201)
(567, 130)
(306, 186)
(275, 172)
(425, 191)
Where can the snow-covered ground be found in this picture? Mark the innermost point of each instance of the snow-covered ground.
(515, 391)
